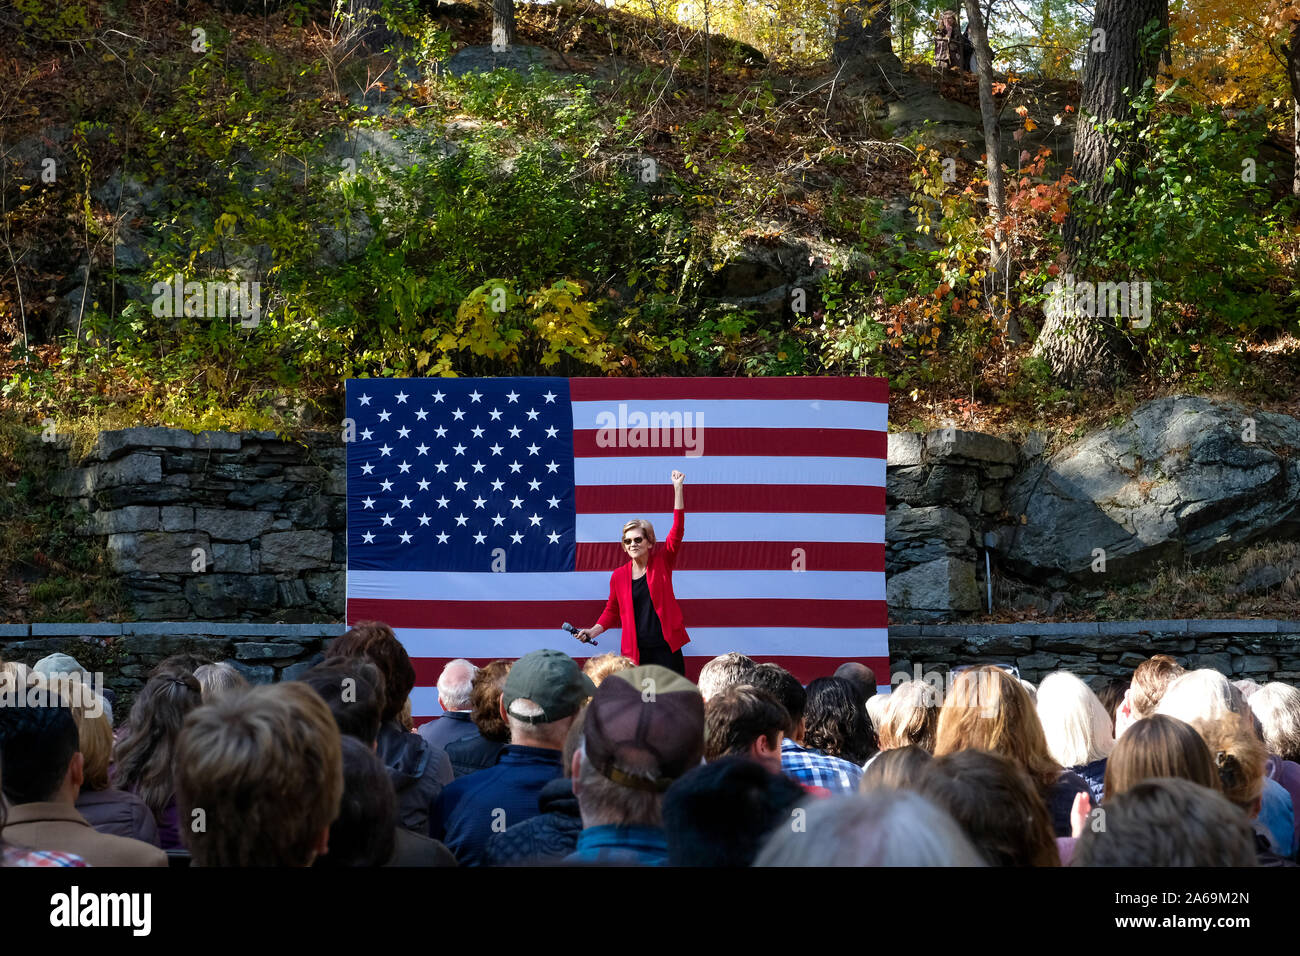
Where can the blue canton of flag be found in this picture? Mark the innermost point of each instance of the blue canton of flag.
(442, 473)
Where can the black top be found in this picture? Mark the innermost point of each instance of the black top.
(649, 632)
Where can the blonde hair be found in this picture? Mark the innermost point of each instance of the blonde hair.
(1201, 695)
(95, 729)
(1075, 723)
(602, 665)
(988, 709)
(644, 526)
(1277, 708)
(909, 717)
(217, 680)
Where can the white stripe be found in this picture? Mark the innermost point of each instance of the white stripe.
(722, 526)
(846, 642)
(594, 585)
(737, 413)
(731, 470)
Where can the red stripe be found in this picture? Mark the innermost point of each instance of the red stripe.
(806, 669)
(725, 612)
(668, 389)
(775, 499)
(768, 442)
(749, 556)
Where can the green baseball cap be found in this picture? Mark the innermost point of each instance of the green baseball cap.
(550, 679)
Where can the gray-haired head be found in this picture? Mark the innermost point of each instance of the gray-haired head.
(883, 828)
(723, 672)
(56, 664)
(455, 684)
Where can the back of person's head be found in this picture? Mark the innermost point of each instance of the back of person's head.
(144, 755)
(782, 685)
(885, 828)
(542, 692)
(1167, 822)
(365, 831)
(1150, 681)
(353, 688)
(1277, 708)
(723, 672)
(1111, 696)
(181, 661)
(264, 768)
(455, 684)
(1239, 758)
(720, 813)
(910, 716)
(636, 746)
(1075, 723)
(37, 744)
(216, 680)
(997, 805)
(876, 707)
(739, 715)
(988, 709)
(485, 700)
(377, 642)
(1203, 694)
(95, 733)
(1159, 747)
(898, 769)
(602, 665)
(835, 720)
(863, 677)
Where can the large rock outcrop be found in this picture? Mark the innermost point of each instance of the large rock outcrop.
(1183, 477)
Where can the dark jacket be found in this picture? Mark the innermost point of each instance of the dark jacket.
(453, 725)
(474, 753)
(118, 813)
(472, 808)
(414, 849)
(1095, 775)
(1060, 800)
(418, 772)
(546, 838)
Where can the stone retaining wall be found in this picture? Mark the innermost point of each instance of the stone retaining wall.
(218, 525)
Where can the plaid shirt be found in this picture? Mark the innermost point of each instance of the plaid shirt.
(818, 769)
(21, 856)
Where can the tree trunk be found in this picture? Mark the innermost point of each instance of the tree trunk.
(854, 38)
(503, 24)
(998, 259)
(1082, 349)
(1292, 51)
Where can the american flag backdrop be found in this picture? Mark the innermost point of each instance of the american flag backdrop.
(484, 513)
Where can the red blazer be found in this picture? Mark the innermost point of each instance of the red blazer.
(659, 576)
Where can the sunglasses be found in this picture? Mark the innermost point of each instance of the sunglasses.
(637, 540)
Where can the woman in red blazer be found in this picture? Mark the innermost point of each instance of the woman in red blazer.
(641, 598)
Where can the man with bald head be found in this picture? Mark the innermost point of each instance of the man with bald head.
(454, 686)
(860, 674)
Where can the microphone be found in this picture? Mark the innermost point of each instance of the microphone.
(574, 631)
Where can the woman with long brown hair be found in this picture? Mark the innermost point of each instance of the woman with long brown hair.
(144, 755)
(988, 709)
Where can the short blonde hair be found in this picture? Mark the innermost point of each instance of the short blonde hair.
(602, 665)
(217, 680)
(1203, 694)
(1074, 721)
(645, 527)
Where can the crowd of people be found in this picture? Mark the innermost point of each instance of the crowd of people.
(541, 762)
